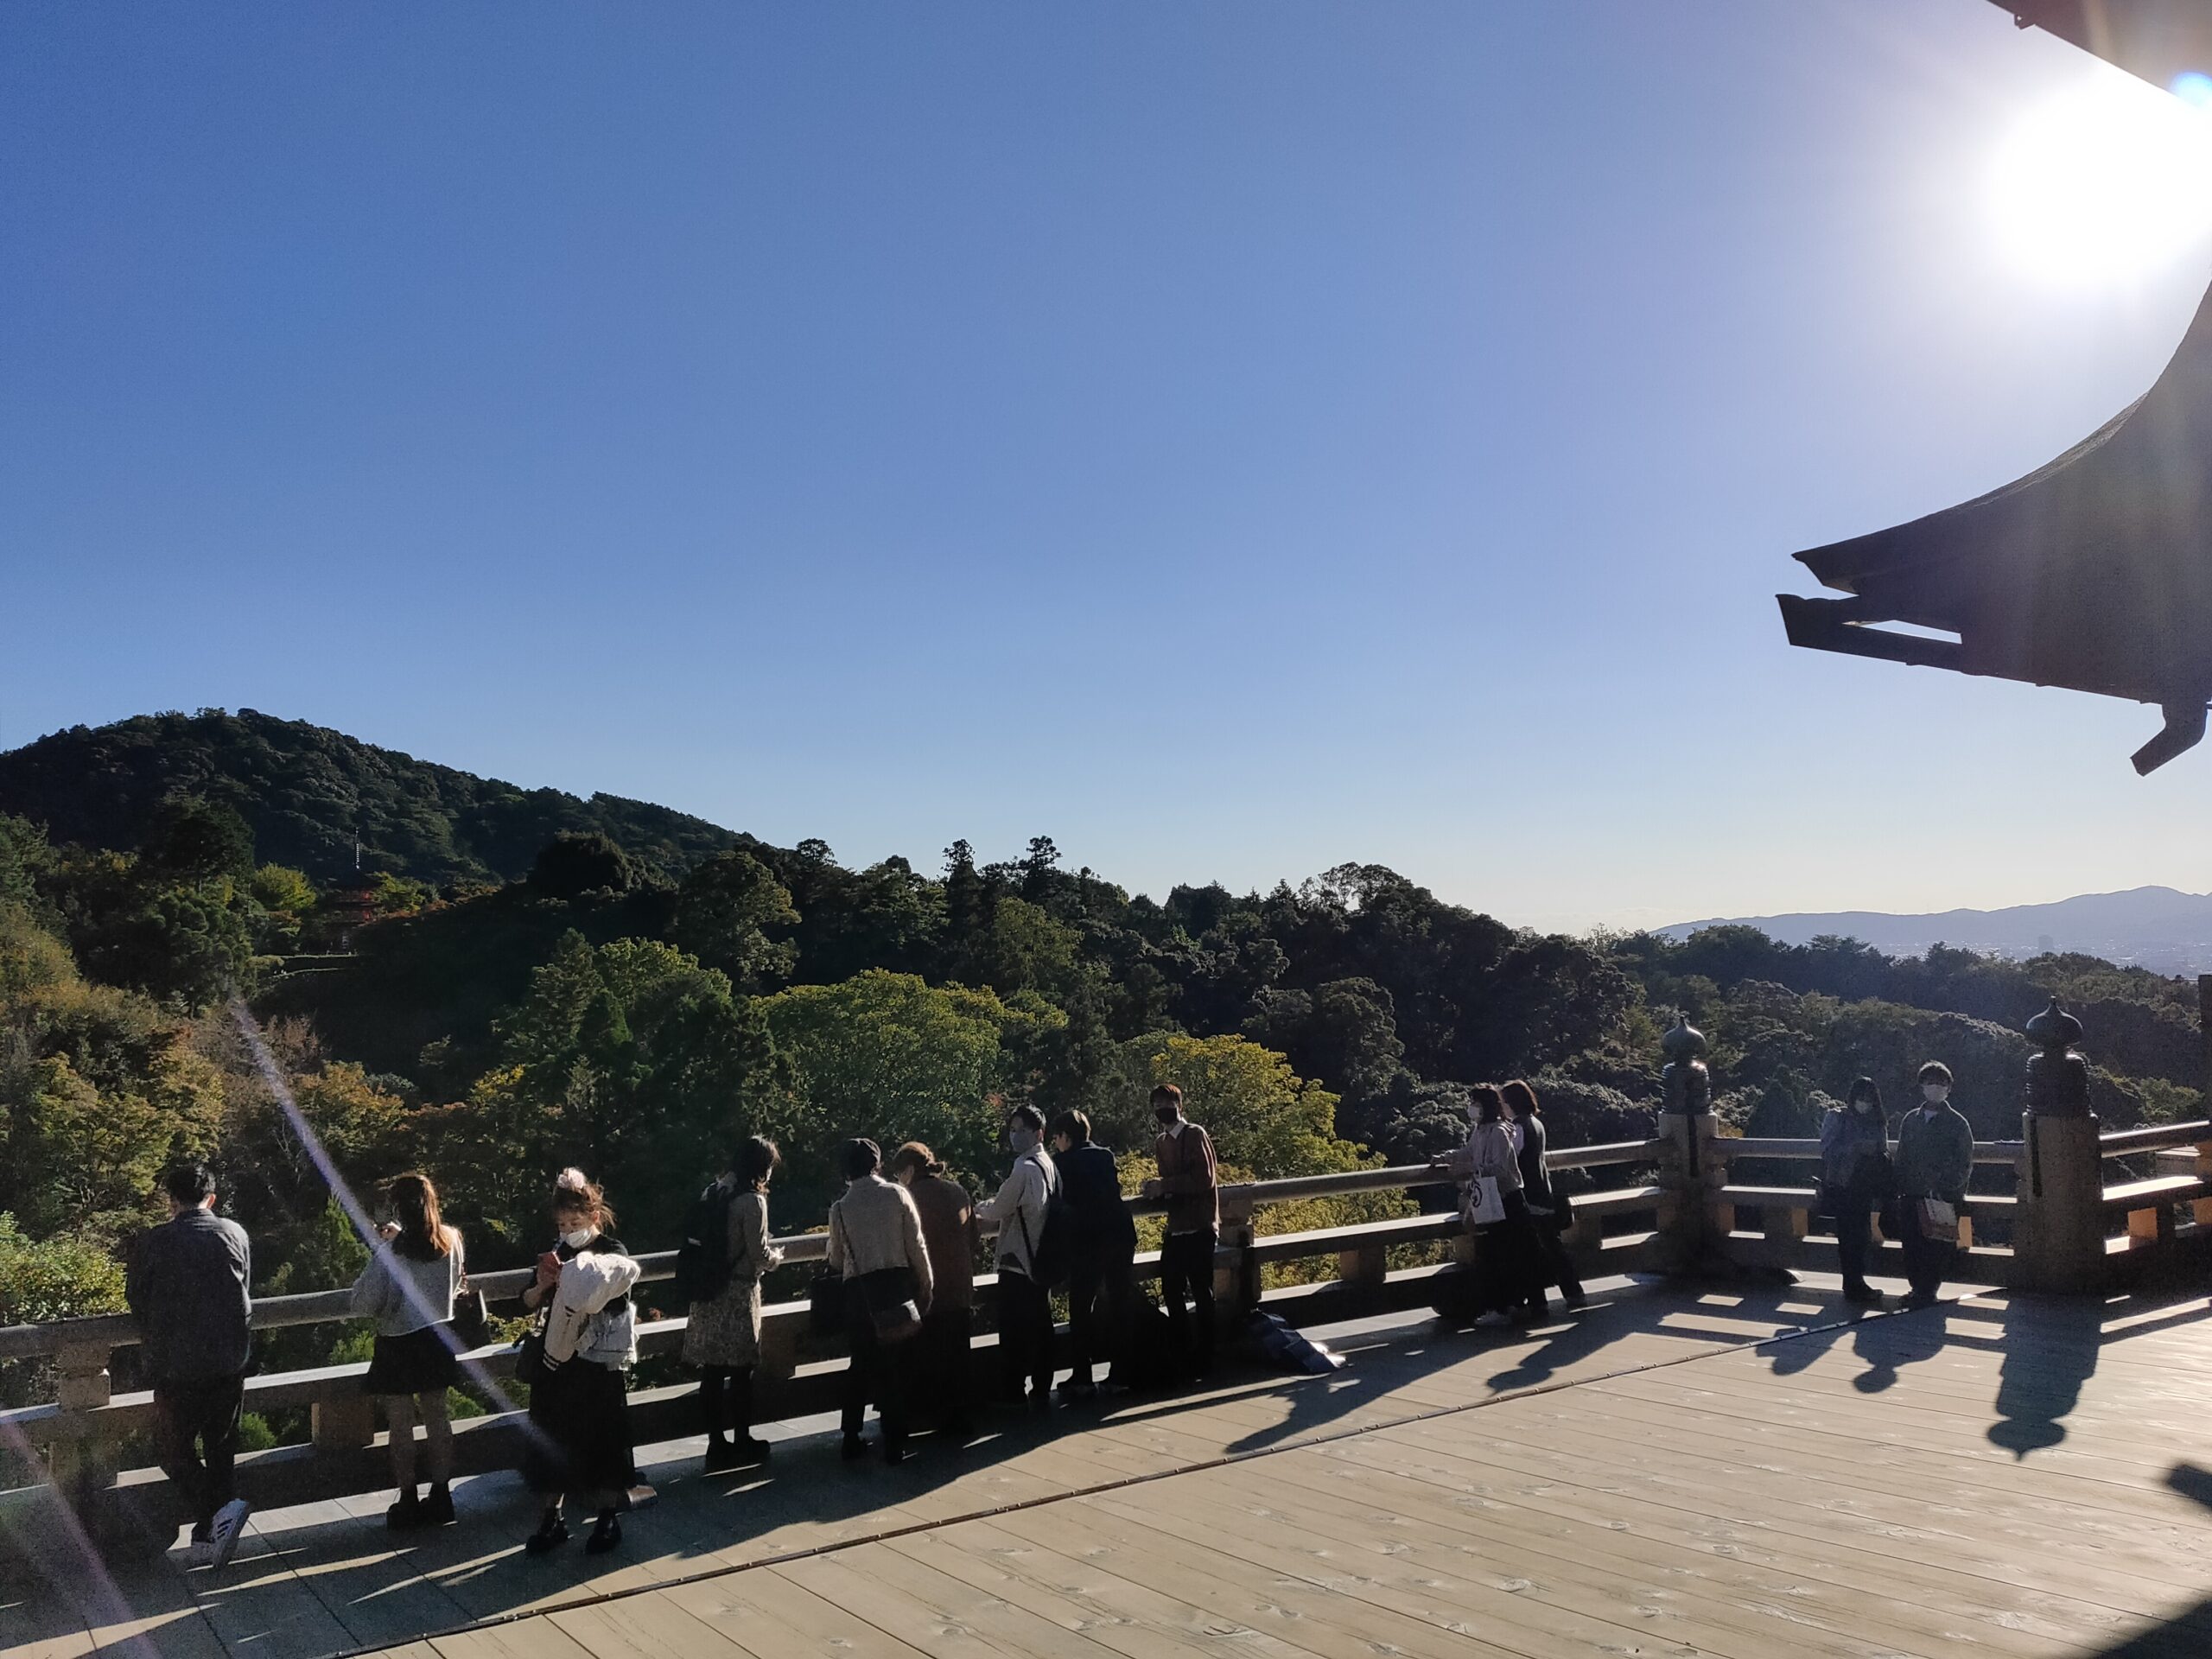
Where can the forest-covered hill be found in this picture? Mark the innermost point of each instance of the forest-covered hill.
(307, 792)
(640, 993)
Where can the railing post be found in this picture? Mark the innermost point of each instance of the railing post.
(1236, 1285)
(81, 1463)
(2059, 1238)
(1692, 1223)
(342, 1422)
(1362, 1271)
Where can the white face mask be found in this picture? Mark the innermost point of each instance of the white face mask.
(578, 1239)
(1862, 1105)
(1934, 1093)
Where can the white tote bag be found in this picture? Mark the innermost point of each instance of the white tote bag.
(1484, 1202)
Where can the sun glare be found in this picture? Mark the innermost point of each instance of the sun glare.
(2103, 184)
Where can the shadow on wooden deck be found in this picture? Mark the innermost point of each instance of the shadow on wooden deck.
(329, 1578)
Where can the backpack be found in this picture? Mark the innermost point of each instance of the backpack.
(1052, 1252)
(702, 1260)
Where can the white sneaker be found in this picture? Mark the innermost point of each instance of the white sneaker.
(225, 1531)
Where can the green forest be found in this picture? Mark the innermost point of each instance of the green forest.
(638, 987)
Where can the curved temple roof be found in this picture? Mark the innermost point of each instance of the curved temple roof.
(2094, 572)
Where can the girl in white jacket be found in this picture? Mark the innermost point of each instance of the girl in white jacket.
(580, 1445)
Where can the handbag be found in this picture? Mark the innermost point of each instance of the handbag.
(531, 1366)
(895, 1322)
(1485, 1202)
(472, 1319)
(1939, 1222)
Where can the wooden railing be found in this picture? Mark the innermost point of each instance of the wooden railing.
(75, 1442)
(1679, 1208)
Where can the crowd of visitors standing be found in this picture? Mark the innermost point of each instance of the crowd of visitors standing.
(899, 1286)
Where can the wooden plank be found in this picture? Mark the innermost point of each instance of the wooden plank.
(1128, 1615)
(1502, 1612)
(910, 1600)
(772, 1618)
(1473, 1578)
(1387, 1502)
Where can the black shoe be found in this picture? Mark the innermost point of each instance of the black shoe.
(438, 1508)
(1862, 1295)
(606, 1535)
(552, 1533)
(1072, 1391)
(854, 1449)
(1921, 1299)
(406, 1515)
(722, 1456)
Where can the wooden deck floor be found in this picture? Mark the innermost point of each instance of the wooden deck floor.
(1670, 1476)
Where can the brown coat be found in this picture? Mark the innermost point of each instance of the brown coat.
(950, 1230)
(1189, 1181)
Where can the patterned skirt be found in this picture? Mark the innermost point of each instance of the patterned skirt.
(725, 1331)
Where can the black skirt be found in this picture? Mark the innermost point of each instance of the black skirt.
(422, 1361)
(581, 1445)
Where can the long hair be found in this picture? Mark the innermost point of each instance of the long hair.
(1520, 1099)
(422, 1236)
(572, 1192)
(917, 1156)
(1867, 1089)
(1490, 1103)
(756, 1161)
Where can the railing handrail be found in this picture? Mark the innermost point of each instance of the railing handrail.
(1799, 1147)
(2121, 1143)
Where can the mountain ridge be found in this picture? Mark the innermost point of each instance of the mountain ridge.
(2161, 928)
(307, 791)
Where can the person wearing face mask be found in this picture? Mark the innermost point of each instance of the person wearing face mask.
(581, 1448)
(1189, 1180)
(1025, 1299)
(1855, 1178)
(1935, 1158)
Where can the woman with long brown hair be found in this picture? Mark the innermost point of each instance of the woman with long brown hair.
(407, 1288)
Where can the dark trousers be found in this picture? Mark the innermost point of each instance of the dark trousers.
(196, 1423)
(1853, 1214)
(1553, 1266)
(1927, 1260)
(1187, 1269)
(726, 1391)
(1101, 1297)
(1506, 1270)
(874, 1373)
(1025, 1334)
(942, 1363)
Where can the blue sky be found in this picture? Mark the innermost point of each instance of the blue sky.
(1231, 439)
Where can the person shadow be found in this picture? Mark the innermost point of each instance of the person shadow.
(2039, 1384)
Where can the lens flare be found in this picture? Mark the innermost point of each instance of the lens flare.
(2194, 89)
(2110, 182)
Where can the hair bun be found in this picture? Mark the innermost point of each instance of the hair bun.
(571, 1179)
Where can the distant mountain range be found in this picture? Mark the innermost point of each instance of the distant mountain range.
(2157, 928)
(308, 792)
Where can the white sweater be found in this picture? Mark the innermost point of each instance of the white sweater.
(579, 1325)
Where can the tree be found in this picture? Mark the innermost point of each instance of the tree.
(630, 1060)
(890, 1057)
(571, 865)
(195, 840)
(725, 911)
(1260, 1113)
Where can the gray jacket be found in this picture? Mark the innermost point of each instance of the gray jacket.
(188, 1286)
(1935, 1153)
